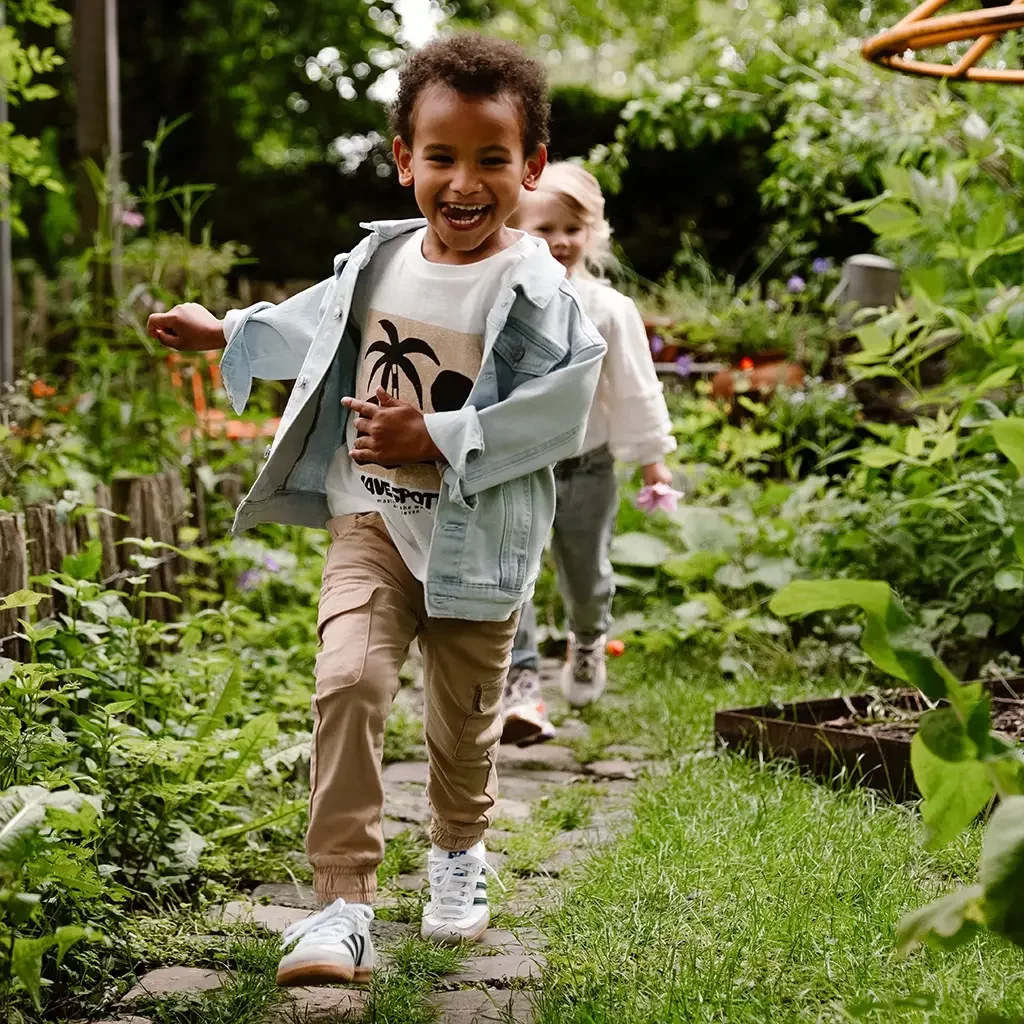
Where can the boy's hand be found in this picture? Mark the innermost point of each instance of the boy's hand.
(187, 328)
(656, 473)
(392, 433)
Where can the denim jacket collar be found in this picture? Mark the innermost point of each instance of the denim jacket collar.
(538, 276)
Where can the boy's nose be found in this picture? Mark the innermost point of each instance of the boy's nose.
(465, 182)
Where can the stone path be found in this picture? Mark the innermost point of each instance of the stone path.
(552, 812)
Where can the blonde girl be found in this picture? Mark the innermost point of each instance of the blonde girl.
(628, 422)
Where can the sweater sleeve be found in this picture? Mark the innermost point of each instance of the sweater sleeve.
(639, 426)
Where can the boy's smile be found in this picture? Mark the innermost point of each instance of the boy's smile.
(467, 166)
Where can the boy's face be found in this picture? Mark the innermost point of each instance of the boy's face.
(467, 167)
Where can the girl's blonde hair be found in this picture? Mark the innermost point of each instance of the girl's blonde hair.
(580, 192)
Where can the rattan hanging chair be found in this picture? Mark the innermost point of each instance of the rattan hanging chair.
(924, 29)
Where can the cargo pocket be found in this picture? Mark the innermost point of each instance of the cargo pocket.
(343, 629)
(482, 729)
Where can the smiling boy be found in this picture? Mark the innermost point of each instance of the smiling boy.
(438, 374)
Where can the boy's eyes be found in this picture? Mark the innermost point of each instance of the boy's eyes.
(443, 160)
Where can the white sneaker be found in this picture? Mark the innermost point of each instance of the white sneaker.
(585, 674)
(458, 910)
(334, 946)
(525, 718)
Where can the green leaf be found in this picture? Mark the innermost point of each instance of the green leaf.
(877, 458)
(27, 964)
(21, 599)
(994, 380)
(86, 564)
(1012, 245)
(1009, 437)
(24, 808)
(943, 734)
(1018, 541)
(914, 442)
(118, 707)
(955, 792)
(945, 448)
(223, 701)
(700, 565)
(1007, 580)
(874, 340)
(1002, 870)
(254, 737)
(977, 625)
(931, 281)
(893, 220)
(69, 935)
(991, 227)
(944, 924)
(273, 818)
(640, 550)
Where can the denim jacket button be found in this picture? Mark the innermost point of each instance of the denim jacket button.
(519, 353)
(336, 312)
(302, 381)
(266, 452)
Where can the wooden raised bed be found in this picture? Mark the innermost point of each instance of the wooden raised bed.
(839, 738)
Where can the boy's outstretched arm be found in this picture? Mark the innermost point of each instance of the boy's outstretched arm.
(541, 422)
(264, 340)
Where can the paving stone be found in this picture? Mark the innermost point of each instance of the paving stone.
(174, 981)
(406, 805)
(123, 1020)
(412, 882)
(498, 970)
(388, 933)
(286, 894)
(272, 917)
(611, 770)
(473, 1006)
(310, 1003)
(570, 729)
(404, 772)
(515, 810)
(550, 756)
(520, 787)
(393, 829)
(583, 838)
(627, 752)
(516, 941)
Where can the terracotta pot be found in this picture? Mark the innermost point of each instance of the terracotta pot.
(762, 378)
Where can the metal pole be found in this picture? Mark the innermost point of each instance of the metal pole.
(113, 77)
(6, 270)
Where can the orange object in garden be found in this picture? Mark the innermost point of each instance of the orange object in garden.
(616, 648)
(40, 389)
(213, 421)
(924, 29)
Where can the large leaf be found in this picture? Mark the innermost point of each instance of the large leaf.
(945, 924)
(1002, 870)
(955, 792)
(283, 812)
(27, 964)
(223, 701)
(253, 738)
(21, 599)
(1009, 437)
(640, 550)
(86, 564)
(24, 808)
(700, 565)
(706, 529)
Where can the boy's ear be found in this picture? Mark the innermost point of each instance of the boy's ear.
(535, 165)
(403, 159)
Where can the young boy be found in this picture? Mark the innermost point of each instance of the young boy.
(438, 375)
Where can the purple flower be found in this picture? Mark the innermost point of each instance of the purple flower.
(684, 364)
(271, 564)
(796, 284)
(657, 344)
(657, 496)
(249, 579)
(822, 265)
(131, 219)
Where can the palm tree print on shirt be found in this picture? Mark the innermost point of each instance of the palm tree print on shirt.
(394, 360)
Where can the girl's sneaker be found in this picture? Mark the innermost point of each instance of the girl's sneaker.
(585, 674)
(334, 946)
(525, 716)
(458, 910)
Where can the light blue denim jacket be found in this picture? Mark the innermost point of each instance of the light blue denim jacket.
(527, 410)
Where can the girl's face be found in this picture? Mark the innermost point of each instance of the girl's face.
(546, 216)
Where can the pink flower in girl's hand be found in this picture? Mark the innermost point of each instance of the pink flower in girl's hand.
(657, 496)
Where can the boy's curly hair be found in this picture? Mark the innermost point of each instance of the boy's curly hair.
(476, 65)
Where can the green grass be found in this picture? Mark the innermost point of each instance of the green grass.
(406, 852)
(746, 893)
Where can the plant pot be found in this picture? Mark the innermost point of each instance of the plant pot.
(762, 377)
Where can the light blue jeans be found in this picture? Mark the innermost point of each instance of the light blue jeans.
(586, 504)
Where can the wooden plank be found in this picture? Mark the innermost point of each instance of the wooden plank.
(105, 531)
(13, 577)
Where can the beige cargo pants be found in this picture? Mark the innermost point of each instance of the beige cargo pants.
(371, 609)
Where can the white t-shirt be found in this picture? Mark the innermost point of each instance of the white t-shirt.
(629, 413)
(422, 329)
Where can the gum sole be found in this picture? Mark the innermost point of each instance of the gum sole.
(324, 974)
